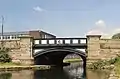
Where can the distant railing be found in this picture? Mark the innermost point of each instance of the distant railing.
(61, 41)
(11, 37)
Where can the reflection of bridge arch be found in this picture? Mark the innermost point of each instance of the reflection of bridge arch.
(75, 71)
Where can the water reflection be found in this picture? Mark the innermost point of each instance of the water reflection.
(75, 70)
(69, 72)
(24, 74)
(54, 73)
(5, 76)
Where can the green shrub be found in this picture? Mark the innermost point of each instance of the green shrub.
(97, 65)
(4, 56)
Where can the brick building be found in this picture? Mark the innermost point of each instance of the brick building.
(33, 33)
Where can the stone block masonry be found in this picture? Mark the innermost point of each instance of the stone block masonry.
(99, 48)
(20, 49)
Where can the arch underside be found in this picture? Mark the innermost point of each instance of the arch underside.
(55, 56)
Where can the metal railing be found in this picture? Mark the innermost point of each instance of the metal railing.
(61, 41)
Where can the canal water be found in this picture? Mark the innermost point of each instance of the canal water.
(69, 72)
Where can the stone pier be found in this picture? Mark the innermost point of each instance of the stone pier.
(102, 49)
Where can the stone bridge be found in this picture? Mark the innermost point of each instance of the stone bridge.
(97, 48)
(52, 51)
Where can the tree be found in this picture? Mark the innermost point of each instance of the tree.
(4, 56)
(116, 36)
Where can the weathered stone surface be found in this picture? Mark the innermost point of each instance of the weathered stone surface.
(20, 49)
(102, 48)
(97, 48)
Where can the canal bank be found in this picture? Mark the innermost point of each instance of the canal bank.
(14, 67)
(74, 71)
(18, 66)
(34, 67)
(113, 65)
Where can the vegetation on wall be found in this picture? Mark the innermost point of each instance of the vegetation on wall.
(117, 67)
(4, 56)
(103, 64)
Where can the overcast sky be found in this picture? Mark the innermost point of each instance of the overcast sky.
(64, 18)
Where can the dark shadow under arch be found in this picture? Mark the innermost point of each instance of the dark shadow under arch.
(50, 50)
(55, 56)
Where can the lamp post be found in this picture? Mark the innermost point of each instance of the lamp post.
(2, 26)
(2, 33)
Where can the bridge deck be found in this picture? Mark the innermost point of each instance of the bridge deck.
(60, 42)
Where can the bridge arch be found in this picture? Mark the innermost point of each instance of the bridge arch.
(55, 56)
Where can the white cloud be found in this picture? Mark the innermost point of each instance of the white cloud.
(98, 29)
(101, 29)
(106, 36)
(111, 33)
(38, 9)
(117, 30)
(100, 23)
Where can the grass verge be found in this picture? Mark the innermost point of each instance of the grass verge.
(71, 60)
(10, 64)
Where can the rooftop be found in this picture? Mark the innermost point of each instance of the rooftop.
(23, 33)
(15, 33)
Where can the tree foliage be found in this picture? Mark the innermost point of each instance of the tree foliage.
(4, 56)
(116, 36)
